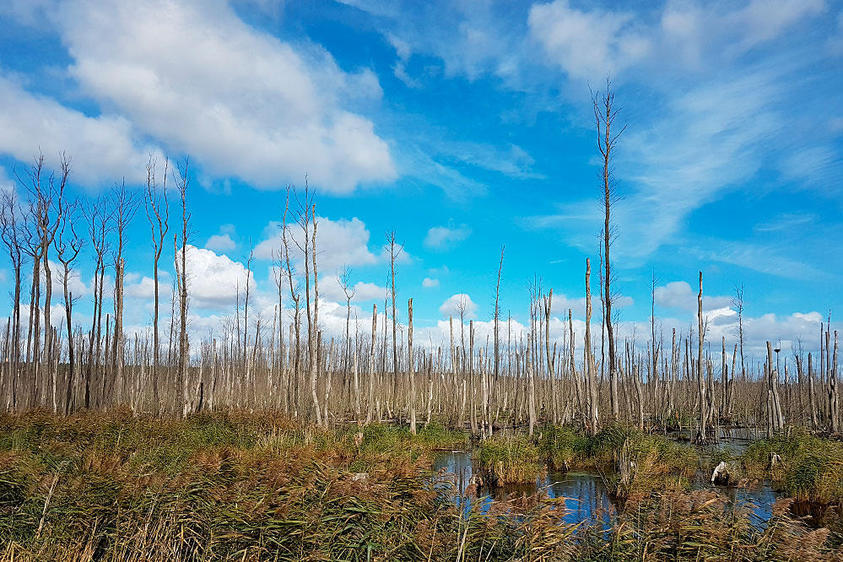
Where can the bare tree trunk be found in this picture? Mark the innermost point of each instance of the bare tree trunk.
(314, 367)
(588, 363)
(158, 214)
(549, 357)
(184, 353)
(531, 381)
(833, 402)
(411, 375)
(700, 374)
(372, 344)
(812, 399)
(497, 326)
(605, 115)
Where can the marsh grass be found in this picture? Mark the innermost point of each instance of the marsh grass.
(252, 487)
(509, 459)
(630, 461)
(807, 467)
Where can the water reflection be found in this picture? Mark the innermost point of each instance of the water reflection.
(586, 497)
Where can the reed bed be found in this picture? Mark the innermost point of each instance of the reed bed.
(253, 487)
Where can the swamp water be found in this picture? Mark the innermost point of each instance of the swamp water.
(585, 494)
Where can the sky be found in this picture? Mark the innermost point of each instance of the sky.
(465, 127)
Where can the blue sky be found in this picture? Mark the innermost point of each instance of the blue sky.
(463, 126)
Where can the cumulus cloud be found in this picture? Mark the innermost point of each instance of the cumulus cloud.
(222, 241)
(587, 43)
(340, 243)
(446, 237)
(331, 289)
(246, 104)
(214, 280)
(430, 283)
(455, 303)
(100, 148)
(137, 286)
(680, 295)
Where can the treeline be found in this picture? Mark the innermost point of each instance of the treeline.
(292, 366)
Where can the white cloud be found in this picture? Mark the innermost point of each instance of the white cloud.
(340, 243)
(446, 237)
(454, 303)
(330, 289)
(141, 287)
(430, 283)
(220, 243)
(101, 149)
(245, 103)
(591, 44)
(213, 280)
(679, 295)
(763, 20)
(223, 241)
(587, 44)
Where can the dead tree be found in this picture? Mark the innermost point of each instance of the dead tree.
(700, 374)
(295, 296)
(158, 215)
(411, 375)
(605, 114)
(68, 245)
(11, 234)
(48, 201)
(125, 206)
(372, 344)
(395, 250)
(497, 322)
(314, 353)
(344, 281)
(588, 361)
(182, 184)
(100, 224)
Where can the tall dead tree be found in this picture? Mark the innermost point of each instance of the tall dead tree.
(158, 215)
(700, 373)
(588, 361)
(125, 206)
(738, 304)
(411, 375)
(48, 200)
(314, 365)
(344, 281)
(395, 250)
(11, 234)
(295, 296)
(372, 344)
(605, 115)
(100, 224)
(182, 184)
(497, 321)
(68, 245)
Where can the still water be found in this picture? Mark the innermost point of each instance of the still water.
(585, 495)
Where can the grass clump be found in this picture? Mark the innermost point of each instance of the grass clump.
(634, 462)
(509, 459)
(563, 448)
(804, 466)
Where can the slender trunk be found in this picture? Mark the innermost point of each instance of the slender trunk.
(411, 375)
(700, 374)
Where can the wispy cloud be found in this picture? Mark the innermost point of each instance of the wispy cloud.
(442, 238)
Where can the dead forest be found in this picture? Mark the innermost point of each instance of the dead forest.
(374, 371)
